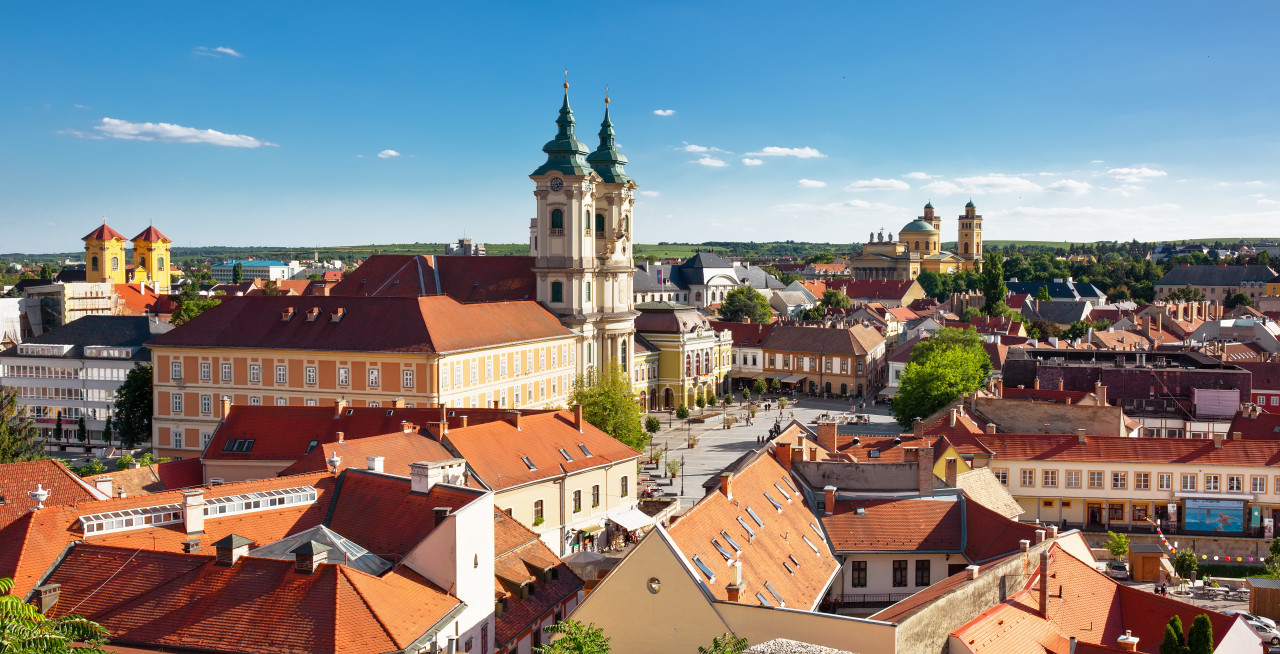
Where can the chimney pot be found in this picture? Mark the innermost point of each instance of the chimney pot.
(374, 463)
(48, 596)
(726, 484)
(829, 499)
(103, 484)
(577, 417)
(972, 571)
(193, 512)
(1044, 582)
(1128, 642)
(827, 436)
(1217, 441)
(1024, 544)
(1081, 437)
(783, 452)
(226, 406)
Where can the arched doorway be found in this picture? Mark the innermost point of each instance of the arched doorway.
(668, 399)
(813, 387)
(844, 389)
(827, 387)
(644, 400)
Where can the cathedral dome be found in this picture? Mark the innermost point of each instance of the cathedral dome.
(918, 226)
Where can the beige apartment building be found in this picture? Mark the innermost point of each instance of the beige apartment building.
(368, 351)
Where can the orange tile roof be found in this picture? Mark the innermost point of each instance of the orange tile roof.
(381, 514)
(494, 450)
(750, 334)
(1195, 451)
(766, 556)
(398, 449)
(466, 279)
(816, 287)
(942, 523)
(518, 554)
(1265, 426)
(1043, 395)
(19, 478)
(256, 605)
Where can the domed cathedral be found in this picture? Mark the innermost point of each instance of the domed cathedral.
(581, 240)
(106, 262)
(919, 248)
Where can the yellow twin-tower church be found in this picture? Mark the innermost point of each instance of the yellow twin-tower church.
(105, 262)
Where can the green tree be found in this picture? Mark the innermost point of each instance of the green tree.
(1273, 559)
(124, 462)
(758, 387)
(775, 385)
(1042, 293)
(1174, 642)
(682, 412)
(46, 272)
(315, 277)
(237, 273)
(19, 437)
(821, 257)
(271, 288)
(93, 467)
(652, 425)
(1117, 544)
(835, 299)
(935, 285)
(106, 431)
(192, 304)
(1237, 300)
(134, 406)
(57, 427)
(746, 395)
(25, 630)
(814, 313)
(609, 404)
(970, 313)
(700, 401)
(725, 643)
(745, 302)
(993, 286)
(1187, 293)
(942, 368)
(1184, 563)
(1200, 638)
(82, 432)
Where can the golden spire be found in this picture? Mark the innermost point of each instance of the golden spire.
(566, 78)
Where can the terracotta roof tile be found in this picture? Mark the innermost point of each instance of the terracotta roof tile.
(1053, 447)
(744, 334)
(849, 341)
(518, 553)
(465, 279)
(1266, 426)
(381, 513)
(914, 525)
(398, 449)
(104, 233)
(151, 234)
(19, 478)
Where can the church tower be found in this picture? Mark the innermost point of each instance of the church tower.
(104, 255)
(151, 259)
(584, 279)
(969, 246)
(930, 217)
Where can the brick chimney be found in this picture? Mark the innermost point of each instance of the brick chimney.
(827, 436)
(226, 405)
(1081, 437)
(193, 512)
(339, 406)
(917, 427)
(828, 500)
(513, 417)
(924, 471)
(797, 453)
(990, 428)
(230, 549)
(397, 403)
(1039, 536)
(577, 417)
(496, 404)
(1044, 583)
(462, 422)
(783, 453)
(309, 556)
(1235, 436)
(1128, 642)
(1059, 384)
(1053, 532)
(191, 546)
(734, 591)
(374, 463)
(1217, 441)
(341, 436)
(1036, 384)
(952, 471)
(1100, 391)
(726, 484)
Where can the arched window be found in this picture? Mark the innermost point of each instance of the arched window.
(688, 366)
(600, 223)
(697, 297)
(626, 223)
(966, 248)
(160, 264)
(917, 246)
(557, 219)
(115, 264)
(557, 291)
(587, 291)
(94, 263)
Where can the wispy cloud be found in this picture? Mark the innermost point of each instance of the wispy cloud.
(752, 162)
(650, 194)
(1097, 161)
(1071, 186)
(664, 112)
(216, 53)
(877, 184)
(799, 153)
(918, 175)
(689, 147)
(1135, 174)
(171, 133)
(388, 154)
(712, 162)
(812, 183)
(82, 106)
(983, 184)
(848, 207)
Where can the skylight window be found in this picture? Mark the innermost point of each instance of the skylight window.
(711, 577)
(811, 545)
(774, 591)
(529, 463)
(874, 454)
(311, 446)
(788, 567)
(585, 451)
(751, 533)
(794, 559)
(720, 548)
(751, 512)
(732, 543)
(817, 531)
(763, 601)
(784, 493)
(777, 505)
(239, 445)
(565, 454)
(791, 486)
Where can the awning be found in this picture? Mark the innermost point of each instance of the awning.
(632, 519)
(791, 379)
(777, 375)
(590, 529)
(747, 374)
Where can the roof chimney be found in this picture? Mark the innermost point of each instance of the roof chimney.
(103, 484)
(990, 428)
(308, 556)
(827, 436)
(952, 471)
(226, 405)
(783, 452)
(462, 422)
(797, 453)
(439, 513)
(397, 403)
(917, 426)
(340, 406)
(1040, 536)
(1217, 441)
(1044, 580)
(828, 500)
(193, 511)
(924, 470)
(191, 546)
(734, 591)
(374, 463)
(1024, 545)
(341, 436)
(953, 417)
(972, 571)
(513, 417)
(1128, 642)
(1080, 436)
(726, 484)
(577, 417)
(496, 404)
(424, 475)
(1235, 436)
(48, 595)
(230, 549)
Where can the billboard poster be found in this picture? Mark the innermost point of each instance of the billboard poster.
(1214, 515)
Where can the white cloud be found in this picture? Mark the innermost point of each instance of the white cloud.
(878, 184)
(752, 162)
(848, 207)
(799, 153)
(1097, 161)
(1135, 174)
(649, 194)
(1256, 182)
(1071, 186)
(83, 106)
(689, 147)
(216, 53)
(942, 187)
(664, 112)
(712, 162)
(983, 184)
(812, 183)
(170, 133)
(1268, 201)
(918, 175)
(388, 154)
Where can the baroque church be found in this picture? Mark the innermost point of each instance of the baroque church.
(919, 248)
(105, 261)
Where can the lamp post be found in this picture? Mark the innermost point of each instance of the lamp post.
(682, 476)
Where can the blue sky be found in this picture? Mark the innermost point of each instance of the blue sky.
(822, 122)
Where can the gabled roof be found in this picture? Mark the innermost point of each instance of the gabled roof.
(366, 324)
(874, 289)
(940, 523)
(496, 451)
(767, 555)
(398, 449)
(322, 538)
(1263, 426)
(856, 340)
(380, 512)
(18, 479)
(151, 234)
(465, 279)
(104, 233)
(745, 334)
(1216, 275)
(1266, 376)
(1196, 451)
(518, 555)
(157, 477)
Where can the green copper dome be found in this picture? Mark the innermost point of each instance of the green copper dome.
(565, 152)
(928, 205)
(969, 205)
(918, 226)
(606, 160)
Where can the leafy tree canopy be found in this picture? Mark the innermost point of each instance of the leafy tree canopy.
(745, 302)
(1239, 299)
(573, 637)
(1187, 293)
(27, 631)
(192, 304)
(725, 643)
(1117, 544)
(134, 406)
(609, 404)
(19, 437)
(835, 299)
(942, 368)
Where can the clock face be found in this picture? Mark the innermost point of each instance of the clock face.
(557, 184)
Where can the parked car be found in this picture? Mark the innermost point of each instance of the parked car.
(1251, 617)
(1118, 570)
(1268, 634)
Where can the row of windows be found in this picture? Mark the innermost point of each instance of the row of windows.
(807, 363)
(1097, 479)
(48, 372)
(623, 490)
(557, 221)
(858, 573)
(310, 374)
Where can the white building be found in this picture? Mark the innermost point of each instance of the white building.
(255, 269)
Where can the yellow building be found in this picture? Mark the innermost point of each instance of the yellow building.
(106, 262)
(919, 249)
(104, 256)
(151, 259)
(693, 359)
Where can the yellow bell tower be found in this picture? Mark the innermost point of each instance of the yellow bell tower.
(151, 259)
(104, 255)
(969, 246)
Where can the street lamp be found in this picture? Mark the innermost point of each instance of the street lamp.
(682, 475)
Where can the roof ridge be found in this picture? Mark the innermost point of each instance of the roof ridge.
(343, 572)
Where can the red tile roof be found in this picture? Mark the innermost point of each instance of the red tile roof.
(398, 449)
(285, 433)
(943, 523)
(138, 299)
(875, 289)
(1043, 395)
(519, 557)
(1266, 426)
(465, 279)
(763, 556)
(495, 450)
(380, 513)
(17, 479)
(1052, 447)
(256, 605)
(745, 334)
(151, 234)
(157, 477)
(1266, 376)
(368, 324)
(856, 340)
(104, 233)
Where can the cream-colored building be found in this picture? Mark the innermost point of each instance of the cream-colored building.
(372, 351)
(693, 359)
(919, 249)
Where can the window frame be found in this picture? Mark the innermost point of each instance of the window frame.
(899, 578)
(1073, 475)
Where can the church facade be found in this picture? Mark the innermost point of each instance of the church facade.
(918, 248)
(105, 261)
